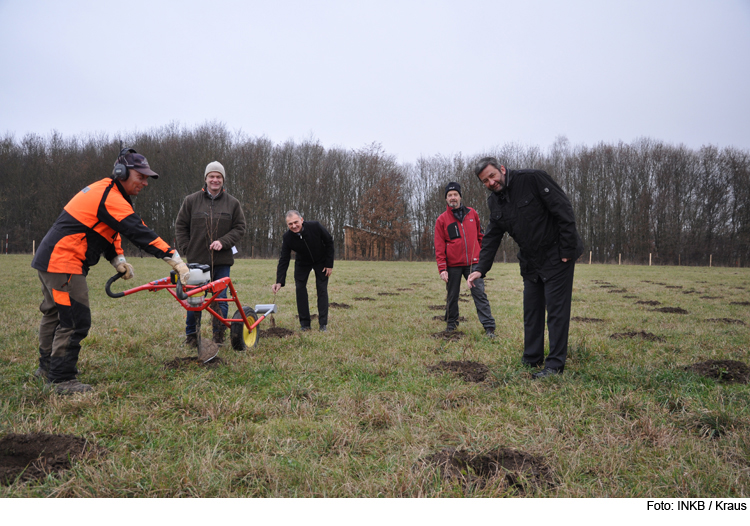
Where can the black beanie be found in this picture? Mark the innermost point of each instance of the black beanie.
(453, 186)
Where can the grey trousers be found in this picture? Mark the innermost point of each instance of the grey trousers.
(477, 293)
(65, 323)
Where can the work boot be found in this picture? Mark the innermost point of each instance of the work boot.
(42, 373)
(490, 333)
(72, 386)
(304, 328)
(323, 328)
(192, 340)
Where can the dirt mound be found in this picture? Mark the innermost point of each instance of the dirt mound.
(586, 320)
(674, 286)
(726, 320)
(739, 303)
(388, 294)
(436, 307)
(729, 371)
(31, 457)
(192, 361)
(690, 292)
(442, 318)
(652, 302)
(642, 334)
(449, 336)
(617, 291)
(630, 297)
(335, 305)
(512, 468)
(461, 300)
(403, 290)
(364, 298)
(671, 310)
(469, 371)
(711, 297)
(276, 332)
(608, 286)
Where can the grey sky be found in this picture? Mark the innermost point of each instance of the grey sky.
(421, 78)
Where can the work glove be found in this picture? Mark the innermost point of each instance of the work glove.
(123, 267)
(175, 261)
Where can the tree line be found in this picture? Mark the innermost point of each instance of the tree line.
(679, 205)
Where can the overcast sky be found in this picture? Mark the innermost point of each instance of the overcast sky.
(420, 78)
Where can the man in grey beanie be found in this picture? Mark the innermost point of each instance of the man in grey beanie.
(209, 225)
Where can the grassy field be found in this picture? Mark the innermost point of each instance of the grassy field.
(351, 412)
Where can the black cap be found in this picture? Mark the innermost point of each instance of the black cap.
(453, 186)
(135, 161)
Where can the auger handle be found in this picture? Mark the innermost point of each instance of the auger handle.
(109, 284)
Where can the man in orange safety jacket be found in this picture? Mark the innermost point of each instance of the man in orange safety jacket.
(90, 225)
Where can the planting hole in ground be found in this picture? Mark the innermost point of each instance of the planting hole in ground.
(512, 469)
(729, 371)
(34, 456)
(469, 371)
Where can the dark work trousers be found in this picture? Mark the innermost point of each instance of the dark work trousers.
(65, 323)
(554, 296)
(477, 293)
(220, 271)
(301, 273)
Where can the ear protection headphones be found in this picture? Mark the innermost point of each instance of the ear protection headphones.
(120, 172)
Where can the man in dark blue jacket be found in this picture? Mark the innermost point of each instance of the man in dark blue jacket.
(313, 247)
(532, 208)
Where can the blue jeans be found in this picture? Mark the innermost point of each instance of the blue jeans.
(220, 271)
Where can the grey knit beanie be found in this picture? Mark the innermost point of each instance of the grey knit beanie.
(215, 166)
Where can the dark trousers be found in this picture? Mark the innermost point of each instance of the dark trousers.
(554, 296)
(477, 293)
(301, 273)
(65, 323)
(220, 271)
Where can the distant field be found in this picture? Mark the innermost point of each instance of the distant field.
(367, 409)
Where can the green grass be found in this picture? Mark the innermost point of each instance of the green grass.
(350, 412)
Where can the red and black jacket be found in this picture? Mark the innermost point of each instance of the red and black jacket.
(457, 243)
(91, 225)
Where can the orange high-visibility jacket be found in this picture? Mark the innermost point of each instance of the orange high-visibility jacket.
(90, 225)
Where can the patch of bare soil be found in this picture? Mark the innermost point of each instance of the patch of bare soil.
(690, 292)
(449, 336)
(469, 371)
(364, 298)
(404, 290)
(650, 302)
(192, 361)
(634, 334)
(276, 332)
(436, 307)
(608, 286)
(33, 457)
(671, 310)
(513, 469)
(711, 297)
(388, 294)
(729, 371)
(674, 286)
(461, 300)
(739, 288)
(726, 320)
(442, 318)
(630, 297)
(586, 320)
(600, 281)
(617, 291)
(646, 281)
(335, 305)
(739, 303)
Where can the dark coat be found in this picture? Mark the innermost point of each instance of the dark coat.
(537, 214)
(202, 220)
(313, 246)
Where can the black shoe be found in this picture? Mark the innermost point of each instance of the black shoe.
(323, 328)
(490, 333)
(450, 328)
(304, 328)
(42, 373)
(544, 373)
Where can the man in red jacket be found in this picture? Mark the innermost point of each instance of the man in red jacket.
(458, 241)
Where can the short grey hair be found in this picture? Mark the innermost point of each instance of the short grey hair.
(291, 213)
(484, 162)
